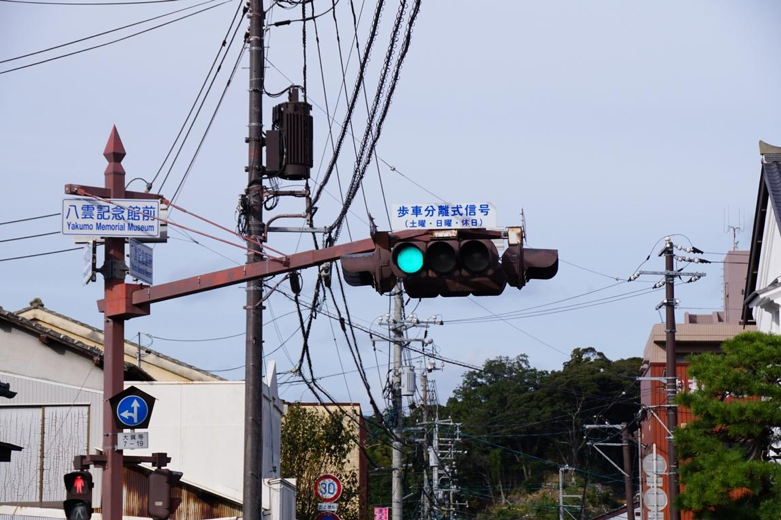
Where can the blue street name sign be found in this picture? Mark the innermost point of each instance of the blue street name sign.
(132, 411)
(141, 262)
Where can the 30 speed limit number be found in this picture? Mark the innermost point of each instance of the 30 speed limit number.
(328, 488)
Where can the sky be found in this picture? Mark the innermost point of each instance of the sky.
(610, 124)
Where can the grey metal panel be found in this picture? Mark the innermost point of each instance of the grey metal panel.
(19, 480)
(41, 392)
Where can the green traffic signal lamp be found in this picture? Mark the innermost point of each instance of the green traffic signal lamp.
(408, 258)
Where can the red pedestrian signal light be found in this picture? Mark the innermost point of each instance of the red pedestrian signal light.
(161, 504)
(78, 495)
(451, 263)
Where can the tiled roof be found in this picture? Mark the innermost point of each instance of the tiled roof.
(68, 342)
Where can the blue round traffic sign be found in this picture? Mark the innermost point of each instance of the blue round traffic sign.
(132, 411)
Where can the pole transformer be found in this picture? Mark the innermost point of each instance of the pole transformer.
(253, 388)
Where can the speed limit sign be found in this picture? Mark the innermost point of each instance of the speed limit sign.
(328, 488)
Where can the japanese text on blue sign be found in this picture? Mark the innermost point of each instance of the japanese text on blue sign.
(443, 216)
(114, 218)
(141, 262)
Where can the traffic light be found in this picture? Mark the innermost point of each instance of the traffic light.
(78, 495)
(451, 263)
(161, 504)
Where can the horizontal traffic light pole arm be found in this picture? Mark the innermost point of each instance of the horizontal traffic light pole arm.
(83, 462)
(269, 267)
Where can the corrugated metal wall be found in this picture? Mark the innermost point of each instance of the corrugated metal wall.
(653, 394)
(50, 437)
(196, 504)
(39, 391)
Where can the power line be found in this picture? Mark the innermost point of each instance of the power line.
(40, 254)
(101, 33)
(89, 3)
(29, 218)
(117, 40)
(211, 120)
(224, 45)
(30, 236)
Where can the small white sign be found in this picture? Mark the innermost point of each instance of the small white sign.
(654, 464)
(655, 499)
(443, 215)
(328, 507)
(141, 262)
(132, 440)
(114, 218)
(86, 271)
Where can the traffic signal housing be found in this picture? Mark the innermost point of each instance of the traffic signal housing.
(78, 495)
(161, 505)
(449, 263)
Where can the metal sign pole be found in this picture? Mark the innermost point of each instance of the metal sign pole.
(113, 338)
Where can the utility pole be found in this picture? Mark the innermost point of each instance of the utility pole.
(628, 490)
(398, 334)
(672, 379)
(253, 384)
(671, 376)
(426, 510)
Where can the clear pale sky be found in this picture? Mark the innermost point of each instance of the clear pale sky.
(610, 123)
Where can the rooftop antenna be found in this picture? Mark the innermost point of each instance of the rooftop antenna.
(728, 226)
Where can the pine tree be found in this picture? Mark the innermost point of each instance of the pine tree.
(727, 454)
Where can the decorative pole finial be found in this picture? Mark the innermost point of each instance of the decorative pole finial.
(114, 153)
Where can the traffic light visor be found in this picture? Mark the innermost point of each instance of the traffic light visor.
(408, 258)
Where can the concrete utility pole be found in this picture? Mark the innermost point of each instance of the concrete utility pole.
(398, 334)
(426, 509)
(672, 379)
(671, 376)
(253, 386)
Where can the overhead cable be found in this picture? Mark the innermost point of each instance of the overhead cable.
(119, 39)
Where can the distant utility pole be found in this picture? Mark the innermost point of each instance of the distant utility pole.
(426, 510)
(671, 376)
(627, 462)
(399, 326)
(398, 334)
(253, 386)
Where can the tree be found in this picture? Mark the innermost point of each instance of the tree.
(727, 452)
(316, 442)
(589, 385)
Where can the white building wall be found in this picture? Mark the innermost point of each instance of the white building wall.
(767, 315)
(201, 427)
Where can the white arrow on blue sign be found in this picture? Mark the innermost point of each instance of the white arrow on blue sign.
(132, 411)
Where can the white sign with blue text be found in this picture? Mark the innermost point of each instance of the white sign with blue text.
(141, 262)
(111, 218)
(443, 215)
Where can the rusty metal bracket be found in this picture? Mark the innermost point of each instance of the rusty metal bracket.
(83, 462)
